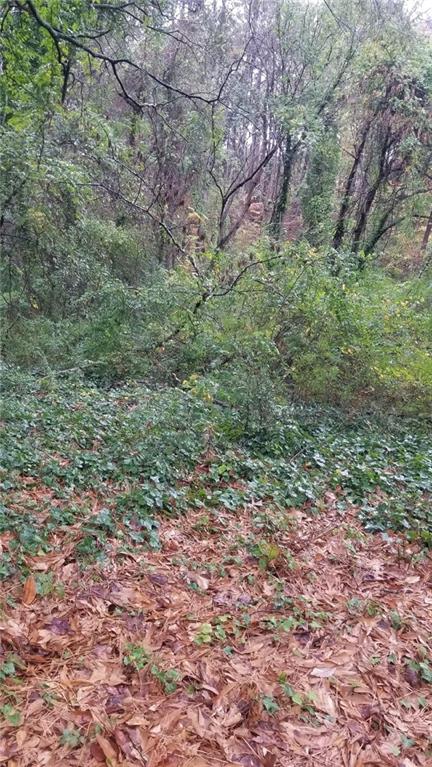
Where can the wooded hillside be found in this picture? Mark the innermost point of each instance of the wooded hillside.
(183, 176)
(216, 378)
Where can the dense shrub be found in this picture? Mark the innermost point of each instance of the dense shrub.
(291, 326)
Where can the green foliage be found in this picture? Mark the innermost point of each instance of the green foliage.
(138, 657)
(11, 714)
(396, 620)
(270, 704)
(10, 667)
(71, 737)
(318, 192)
(204, 634)
(46, 585)
(136, 447)
(305, 701)
(358, 338)
(422, 667)
(167, 679)
(34, 64)
(93, 206)
(267, 553)
(355, 339)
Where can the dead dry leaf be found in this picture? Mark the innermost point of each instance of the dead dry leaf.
(201, 582)
(29, 590)
(357, 666)
(108, 751)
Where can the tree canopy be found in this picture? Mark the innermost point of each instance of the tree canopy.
(161, 161)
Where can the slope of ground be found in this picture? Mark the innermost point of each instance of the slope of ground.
(166, 600)
(223, 648)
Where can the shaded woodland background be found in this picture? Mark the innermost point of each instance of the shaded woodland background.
(230, 196)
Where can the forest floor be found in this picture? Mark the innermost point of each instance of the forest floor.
(311, 649)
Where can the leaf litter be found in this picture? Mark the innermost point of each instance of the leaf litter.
(312, 650)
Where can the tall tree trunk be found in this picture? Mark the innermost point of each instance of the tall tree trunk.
(317, 197)
(365, 208)
(427, 233)
(341, 222)
(282, 199)
(380, 229)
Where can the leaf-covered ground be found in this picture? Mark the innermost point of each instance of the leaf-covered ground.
(169, 601)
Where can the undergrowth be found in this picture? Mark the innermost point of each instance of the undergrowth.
(147, 453)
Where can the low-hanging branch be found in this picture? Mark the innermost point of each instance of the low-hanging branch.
(58, 36)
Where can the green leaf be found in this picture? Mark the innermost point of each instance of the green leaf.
(12, 715)
(270, 705)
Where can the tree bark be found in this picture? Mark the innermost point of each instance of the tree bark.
(365, 209)
(427, 233)
(341, 222)
(282, 199)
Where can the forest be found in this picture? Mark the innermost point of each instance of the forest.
(216, 383)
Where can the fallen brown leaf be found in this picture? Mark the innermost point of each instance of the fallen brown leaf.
(109, 752)
(29, 591)
(96, 751)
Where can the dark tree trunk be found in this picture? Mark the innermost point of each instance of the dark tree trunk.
(341, 222)
(282, 199)
(427, 233)
(380, 230)
(365, 209)
(363, 217)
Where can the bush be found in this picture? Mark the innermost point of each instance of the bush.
(294, 325)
